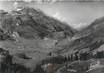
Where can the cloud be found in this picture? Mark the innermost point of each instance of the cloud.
(58, 16)
(70, 21)
(15, 4)
(79, 25)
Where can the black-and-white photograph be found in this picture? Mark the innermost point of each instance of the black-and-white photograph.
(51, 36)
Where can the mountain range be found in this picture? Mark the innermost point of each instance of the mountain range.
(30, 38)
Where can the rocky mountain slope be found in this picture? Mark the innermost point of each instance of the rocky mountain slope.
(31, 23)
(85, 50)
(29, 36)
(90, 38)
(37, 43)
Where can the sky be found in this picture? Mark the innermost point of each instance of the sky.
(76, 14)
